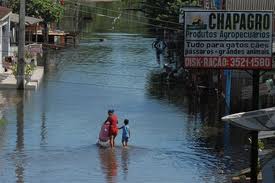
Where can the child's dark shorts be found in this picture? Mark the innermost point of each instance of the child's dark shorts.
(125, 139)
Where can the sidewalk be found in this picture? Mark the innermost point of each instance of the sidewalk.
(9, 82)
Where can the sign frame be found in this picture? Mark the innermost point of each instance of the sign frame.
(208, 61)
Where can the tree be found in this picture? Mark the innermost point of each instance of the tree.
(48, 10)
(161, 12)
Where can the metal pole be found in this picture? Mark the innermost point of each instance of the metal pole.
(36, 35)
(21, 48)
(76, 26)
(254, 134)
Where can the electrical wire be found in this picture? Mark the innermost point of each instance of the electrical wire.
(133, 21)
(111, 10)
(94, 84)
(127, 20)
(102, 85)
(114, 11)
(107, 74)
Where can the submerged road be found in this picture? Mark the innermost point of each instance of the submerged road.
(50, 134)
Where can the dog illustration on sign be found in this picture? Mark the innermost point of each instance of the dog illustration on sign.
(197, 24)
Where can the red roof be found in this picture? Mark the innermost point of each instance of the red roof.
(4, 12)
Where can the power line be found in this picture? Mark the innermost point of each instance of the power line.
(133, 21)
(107, 9)
(110, 64)
(101, 85)
(155, 7)
(93, 84)
(93, 40)
(107, 74)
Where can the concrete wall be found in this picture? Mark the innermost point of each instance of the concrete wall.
(6, 39)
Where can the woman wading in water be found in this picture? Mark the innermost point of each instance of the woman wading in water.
(113, 119)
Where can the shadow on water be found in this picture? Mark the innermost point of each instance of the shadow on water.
(159, 89)
(125, 162)
(204, 124)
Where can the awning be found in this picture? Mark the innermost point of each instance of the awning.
(28, 20)
(259, 120)
(4, 12)
(266, 134)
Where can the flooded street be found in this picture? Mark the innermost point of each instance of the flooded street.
(50, 135)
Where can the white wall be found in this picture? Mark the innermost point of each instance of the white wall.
(6, 38)
(4, 41)
(1, 67)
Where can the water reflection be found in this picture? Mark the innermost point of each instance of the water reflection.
(109, 164)
(43, 133)
(19, 160)
(62, 117)
(204, 124)
(125, 162)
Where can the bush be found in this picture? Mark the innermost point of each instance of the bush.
(2, 122)
(29, 68)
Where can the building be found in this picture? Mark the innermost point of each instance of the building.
(32, 25)
(4, 34)
(240, 79)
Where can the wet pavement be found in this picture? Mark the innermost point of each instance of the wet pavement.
(50, 134)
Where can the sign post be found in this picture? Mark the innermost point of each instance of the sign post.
(254, 134)
(231, 40)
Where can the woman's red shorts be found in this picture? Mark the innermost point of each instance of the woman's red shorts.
(113, 131)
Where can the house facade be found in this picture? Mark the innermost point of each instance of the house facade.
(4, 34)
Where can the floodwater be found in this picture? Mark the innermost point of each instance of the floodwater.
(50, 134)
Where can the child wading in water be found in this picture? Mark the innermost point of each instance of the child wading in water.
(125, 133)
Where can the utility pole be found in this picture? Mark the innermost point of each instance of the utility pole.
(76, 16)
(76, 29)
(254, 134)
(21, 48)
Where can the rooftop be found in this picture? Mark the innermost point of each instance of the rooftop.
(4, 12)
(28, 20)
(259, 120)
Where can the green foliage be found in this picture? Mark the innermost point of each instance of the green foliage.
(14, 69)
(167, 10)
(29, 68)
(261, 145)
(48, 10)
(28, 55)
(2, 122)
(14, 5)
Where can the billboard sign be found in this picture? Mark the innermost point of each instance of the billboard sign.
(218, 4)
(228, 40)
